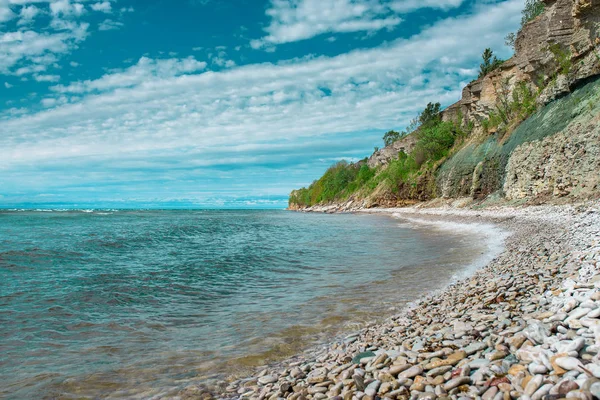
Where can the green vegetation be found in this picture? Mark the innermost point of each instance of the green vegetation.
(490, 63)
(338, 182)
(562, 57)
(511, 110)
(439, 159)
(435, 138)
(510, 40)
(390, 137)
(533, 8)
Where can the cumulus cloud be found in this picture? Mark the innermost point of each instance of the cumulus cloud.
(6, 14)
(30, 47)
(294, 20)
(64, 8)
(104, 7)
(28, 14)
(172, 120)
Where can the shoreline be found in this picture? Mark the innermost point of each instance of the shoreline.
(476, 355)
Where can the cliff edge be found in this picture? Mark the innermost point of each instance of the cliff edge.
(526, 131)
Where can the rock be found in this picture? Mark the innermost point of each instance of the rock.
(296, 373)
(456, 382)
(360, 356)
(396, 369)
(477, 363)
(533, 385)
(595, 390)
(542, 391)
(371, 389)
(266, 379)
(359, 381)
(536, 331)
(474, 348)
(567, 386)
(568, 363)
(411, 372)
(558, 370)
(515, 369)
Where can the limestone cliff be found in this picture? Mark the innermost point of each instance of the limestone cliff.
(554, 152)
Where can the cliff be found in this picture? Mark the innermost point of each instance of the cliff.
(554, 151)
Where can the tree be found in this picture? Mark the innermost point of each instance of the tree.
(532, 9)
(490, 62)
(390, 137)
(510, 40)
(431, 114)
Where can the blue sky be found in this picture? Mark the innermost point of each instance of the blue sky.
(219, 103)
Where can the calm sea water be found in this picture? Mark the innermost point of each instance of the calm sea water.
(126, 303)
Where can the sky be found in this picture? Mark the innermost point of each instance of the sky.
(219, 103)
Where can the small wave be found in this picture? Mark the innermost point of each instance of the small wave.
(491, 235)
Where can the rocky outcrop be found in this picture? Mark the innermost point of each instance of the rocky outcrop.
(566, 164)
(479, 169)
(557, 55)
(569, 29)
(385, 155)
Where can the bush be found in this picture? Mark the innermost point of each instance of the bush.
(434, 142)
(562, 57)
(533, 8)
(337, 183)
(511, 110)
(390, 137)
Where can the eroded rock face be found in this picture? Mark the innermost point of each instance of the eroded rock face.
(566, 164)
(481, 167)
(574, 25)
(389, 153)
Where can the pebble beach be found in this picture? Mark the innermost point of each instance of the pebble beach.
(527, 325)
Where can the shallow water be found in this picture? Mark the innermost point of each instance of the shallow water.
(118, 303)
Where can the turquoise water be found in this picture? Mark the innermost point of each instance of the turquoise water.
(142, 302)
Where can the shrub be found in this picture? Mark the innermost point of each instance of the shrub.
(390, 137)
(434, 141)
(532, 9)
(562, 57)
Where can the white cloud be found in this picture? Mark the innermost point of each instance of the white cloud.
(6, 14)
(28, 14)
(74, 64)
(28, 46)
(7, 85)
(173, 116)
(294, 20)
(109, 25)
(33, 48)
(64, 8)
(47, 78)
(406, 6)
(142, 72)
(104, 7)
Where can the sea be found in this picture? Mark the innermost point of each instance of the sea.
(142, 303)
